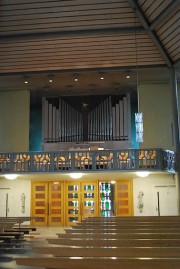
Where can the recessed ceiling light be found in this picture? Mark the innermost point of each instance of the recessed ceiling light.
(11, 176)
(142, 173)
(76, 175)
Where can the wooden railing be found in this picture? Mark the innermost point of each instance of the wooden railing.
(88, 160)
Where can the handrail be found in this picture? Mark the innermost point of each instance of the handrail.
(151, 159)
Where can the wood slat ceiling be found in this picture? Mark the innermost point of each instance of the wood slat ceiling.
(168, 28)
(52, 36)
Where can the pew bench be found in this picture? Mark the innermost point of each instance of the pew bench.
(137, 246)
(17, 220)
(130, 234)
(132, 219)
(6, 238)
(59, 251)
(99, 262)
(115, 242)
(123, 229)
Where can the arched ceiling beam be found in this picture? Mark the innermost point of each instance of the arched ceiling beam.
(134, 5)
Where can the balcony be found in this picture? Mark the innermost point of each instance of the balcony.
(88, 161)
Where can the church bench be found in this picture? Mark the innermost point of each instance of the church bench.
(99, 262)
(17, 235)
(7, 238)
(17, 220)
(26, 228)
(116, 242)
(5, 225)
(20, 230)
(122, 229)
(109, 252)
(131, 218)
(120, 235)
(127, 224)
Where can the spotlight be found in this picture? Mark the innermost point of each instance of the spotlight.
(101, 76)
(26, 79)
(76, 77)
(127, 74)
(50, 78)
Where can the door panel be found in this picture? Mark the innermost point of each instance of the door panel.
(124, 198)
(73, 209)
(89, 199)
(40, 203)
(55, 205)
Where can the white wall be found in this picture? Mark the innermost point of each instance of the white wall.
(14, 120)
(149, 186)
(14, 189)
(156, 105)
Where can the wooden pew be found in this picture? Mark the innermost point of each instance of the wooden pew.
(131, 218)
(156, 246)
(99, 262)
(7, 231)
(127, 225)
(123, 229)
(121, 235)
(17, 220)
(109, 252)
(116, 242)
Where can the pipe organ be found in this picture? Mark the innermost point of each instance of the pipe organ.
(110, 119)
(61, 123)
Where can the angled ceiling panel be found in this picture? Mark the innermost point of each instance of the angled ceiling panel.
(153, 8)
(78, 52)
(49, 16)
(166, 14)
(169, 34)
(64, 36)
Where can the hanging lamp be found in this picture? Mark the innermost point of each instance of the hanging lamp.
(138, 115)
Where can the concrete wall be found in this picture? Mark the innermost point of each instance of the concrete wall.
(156, 105)
(14, 120)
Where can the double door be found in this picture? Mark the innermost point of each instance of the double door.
(47, 203)
(115, 198)
(82, 201)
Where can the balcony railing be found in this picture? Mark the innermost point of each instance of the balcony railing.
(87, 160)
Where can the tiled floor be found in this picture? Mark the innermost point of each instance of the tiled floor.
(25, 247)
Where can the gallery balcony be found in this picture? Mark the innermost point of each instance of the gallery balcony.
(124, 160)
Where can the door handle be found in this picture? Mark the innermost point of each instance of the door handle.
(49, 211)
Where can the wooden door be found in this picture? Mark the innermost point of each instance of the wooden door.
(89, 199)
(40, 203)
(73, 209)
(123, 198)
(47, 203)
(55, 204)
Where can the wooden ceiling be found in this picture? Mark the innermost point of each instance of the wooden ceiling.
(73, 36)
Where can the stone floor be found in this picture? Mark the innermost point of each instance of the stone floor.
(24, 248)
